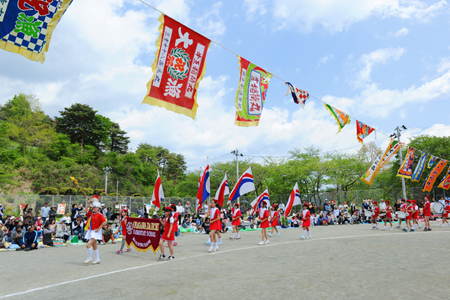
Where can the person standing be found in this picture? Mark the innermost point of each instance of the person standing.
(264, 215)
(409, 215)
(352, 208)
(427, 213)
(375, 212)
(44, 212)
(187, 208)
(388, 217)
(123, 225)
(215, 226)
(274, 220)
(445, 213)
(180, 211)
(415, 215)
(235, 221)
(95, 224)
(168, 235)
(306, 217)
(140, 212)
(52, 214)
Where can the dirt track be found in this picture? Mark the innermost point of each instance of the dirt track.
(340, 262)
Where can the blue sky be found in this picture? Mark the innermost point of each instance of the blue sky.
(384, 62)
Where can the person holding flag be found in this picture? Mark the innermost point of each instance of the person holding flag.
(222, 191)
(203, 189)
(235, 221)
(294, 199)
(306, 217)
(274, 220)
(158, 193)
(244, 185)
(94, 232)
(264, 219)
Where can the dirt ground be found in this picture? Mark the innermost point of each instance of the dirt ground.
(339, 262)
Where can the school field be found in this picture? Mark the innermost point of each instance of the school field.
(340, 262)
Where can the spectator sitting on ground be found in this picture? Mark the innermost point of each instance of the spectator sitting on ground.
(346, 218)
(53, 224)
(78, 226)
(17, 236)
(205, 225)
(186, 222)
(30, 239)
(224, 227)
(47, 236)
(3, 231)
(313, 219)
(67, 219)
(62, 230)
(107, 234)
(320, 219)
(330, 219)
(295, 222)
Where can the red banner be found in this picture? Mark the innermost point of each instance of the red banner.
(178, 68)
(143, 234)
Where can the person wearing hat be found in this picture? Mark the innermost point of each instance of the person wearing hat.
(409, 215)
(235, 220)
(306, 218)
(389, 210)
(273, 220)
(264, 215)
(415, 215)
(445, 213)
(402, 209)
(168, 235)
(94, 226)
(427, 213)
(175, 216)
(375, 213)
(123, 225)
(216, 225)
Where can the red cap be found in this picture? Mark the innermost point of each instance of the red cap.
(168, 208)
(236, 204)
(95, 197)
(403, 199)
(446, 200)
(305, 204)
(375, 202)
(217, 201)
(414, 201)
(408, 201)
(388, 202)
(427, 197)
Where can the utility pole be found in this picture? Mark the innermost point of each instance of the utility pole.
(236, 152)
(106, 170)
(398, 129)
(117, 191)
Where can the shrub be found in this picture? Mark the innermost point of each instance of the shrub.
(49, 191)
(103, 194)
(98, 191)
(68, 191)
(114, 194)
(88, 191)
(137, 195)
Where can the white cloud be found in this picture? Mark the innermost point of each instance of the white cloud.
(211, 24)
(325, 59)
(369, 61)
(255, 8)
(335, 15)
(399, 33)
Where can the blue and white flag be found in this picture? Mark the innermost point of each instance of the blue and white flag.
(297, 94)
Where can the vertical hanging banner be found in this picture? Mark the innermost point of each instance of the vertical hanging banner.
(178, 68)
(381, 161)
(431, 161)
(445, 182)
(297, 94)
(143, 234)
(341, 118)
(405, 170)
(362, 131)
(26, 26)
(419, 168)
(431, 179)
(251, 94)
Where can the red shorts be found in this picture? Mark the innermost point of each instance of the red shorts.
(409, 216)
(236, 222)
(388, 215)
(445, 215)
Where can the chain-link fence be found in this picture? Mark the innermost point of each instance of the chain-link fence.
(14, 202)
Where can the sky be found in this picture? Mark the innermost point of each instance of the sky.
(384, 62)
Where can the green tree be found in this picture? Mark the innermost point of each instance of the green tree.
(81, 123)
(118, 142)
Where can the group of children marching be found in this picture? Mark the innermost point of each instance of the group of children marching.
(409, 212)
(409, 208)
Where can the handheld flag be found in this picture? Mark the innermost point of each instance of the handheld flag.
(222, 191)
(294, 199)
(244, 185)
(158, 193)
(256, 204)
(197, 206)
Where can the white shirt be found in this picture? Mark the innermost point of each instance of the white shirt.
(180, 209)
(205, 208)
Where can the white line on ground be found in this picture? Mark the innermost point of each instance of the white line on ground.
(207, 254)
